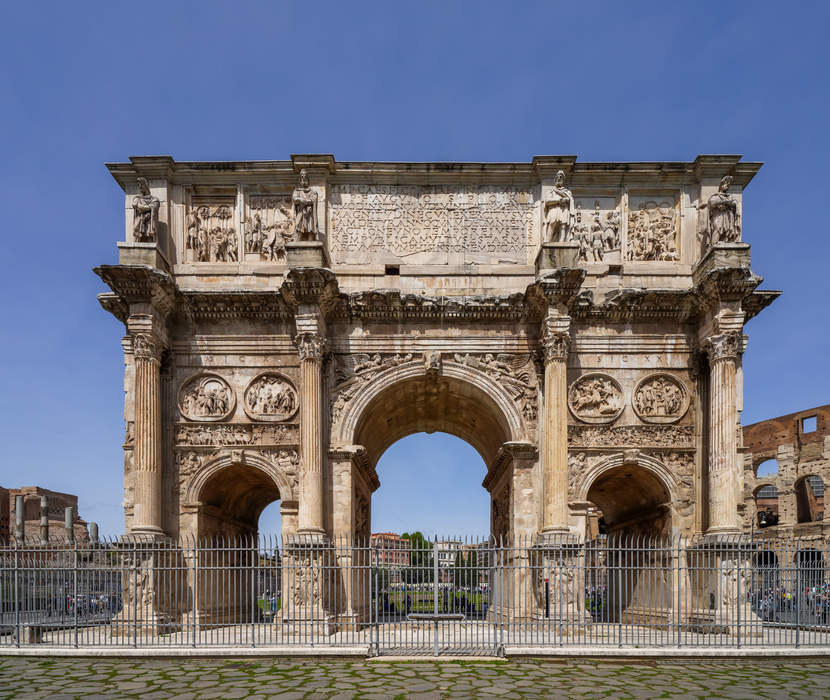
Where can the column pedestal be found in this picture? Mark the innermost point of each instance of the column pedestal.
(560, 584)
(307, 570)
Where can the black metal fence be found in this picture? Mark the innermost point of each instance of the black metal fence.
(445, 595)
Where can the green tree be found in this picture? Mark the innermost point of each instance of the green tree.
(420, 559)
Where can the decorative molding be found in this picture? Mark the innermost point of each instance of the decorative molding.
(211, 435)
(595, 437)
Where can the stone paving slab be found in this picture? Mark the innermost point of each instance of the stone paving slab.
(287, 678)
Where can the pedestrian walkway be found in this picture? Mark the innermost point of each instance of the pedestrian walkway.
(318, 678)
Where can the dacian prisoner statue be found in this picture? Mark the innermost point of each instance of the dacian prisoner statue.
(287, 321)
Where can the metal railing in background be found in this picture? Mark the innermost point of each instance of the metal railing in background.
(445, 595)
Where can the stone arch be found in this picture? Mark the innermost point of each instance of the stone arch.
(633, 491)
(228, 493)
(476, 396)
(586, 479)
(809, 496)
(283, 482)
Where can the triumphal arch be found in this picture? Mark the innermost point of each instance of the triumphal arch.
(580, 324)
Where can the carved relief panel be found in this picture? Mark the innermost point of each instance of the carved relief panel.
(595, 398)
(268, 225)
(598, 229)
(660, 398)
(270, 397)
(210, 229)
(206, 397)
(653, 229)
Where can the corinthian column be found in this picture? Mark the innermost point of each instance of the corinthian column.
(147, 518)
(723, 351)
(310, 346)
(555, 340)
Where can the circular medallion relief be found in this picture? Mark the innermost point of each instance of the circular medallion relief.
(270, 397)
(660, 398)
(206, 397)
(595, 398)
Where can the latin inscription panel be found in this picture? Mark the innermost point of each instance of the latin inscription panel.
(432, 224)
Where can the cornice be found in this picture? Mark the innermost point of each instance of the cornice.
(390, 305)
(562, 287)
(662, 173)
(112, 303)
(229, 304)
(310, 285)
(139, 284)
(759, 300)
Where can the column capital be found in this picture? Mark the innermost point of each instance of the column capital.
(310, 345)
(724, 346)
(146, 347)
(556, 337)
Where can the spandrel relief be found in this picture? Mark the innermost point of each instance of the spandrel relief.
(598, 230)
(653, 229)
(268, 226)
(432, 224)
(660, 398)
(210, 233)
(595, 398)
(206, 397)
(270, 397)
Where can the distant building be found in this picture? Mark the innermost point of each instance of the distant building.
(392, 552)
(58, 502)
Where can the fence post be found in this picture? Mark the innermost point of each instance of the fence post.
(373, 585)
(739, 594)
(435, 596)
(135, 593)
(17, 589)
(679, 617)
(75, 591)
(797, 602)
(254, 574)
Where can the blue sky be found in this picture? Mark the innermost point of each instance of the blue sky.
(82, 84)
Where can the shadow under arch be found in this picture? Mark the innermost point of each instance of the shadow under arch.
(634, 494)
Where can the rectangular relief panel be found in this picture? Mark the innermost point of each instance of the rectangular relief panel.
(653, 228)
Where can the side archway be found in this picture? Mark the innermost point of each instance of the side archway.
(230, 491)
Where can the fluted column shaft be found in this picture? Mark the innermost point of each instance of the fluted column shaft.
(723, 351)
(555, 448)
(147, 513)
(310, 516)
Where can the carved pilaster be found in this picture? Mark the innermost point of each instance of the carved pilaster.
(555, 341)
(723, 351)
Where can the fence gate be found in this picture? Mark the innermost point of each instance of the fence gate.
(436, 597)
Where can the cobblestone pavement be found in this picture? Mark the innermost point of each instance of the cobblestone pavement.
(309, 678)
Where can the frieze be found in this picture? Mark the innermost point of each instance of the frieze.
(595, 398)
(514, 373)
(660, 398)
(270, 397)
(426, 224)
(206, 397)
(591, 436)
(237, 434)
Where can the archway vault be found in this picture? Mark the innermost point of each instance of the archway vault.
(454, 399)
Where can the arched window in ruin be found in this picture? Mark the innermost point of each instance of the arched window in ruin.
(809, 499)
(767, 468)
(766, 505)
(765, 575)
(810, 563)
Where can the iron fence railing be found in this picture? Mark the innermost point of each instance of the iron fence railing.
(444, 595)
